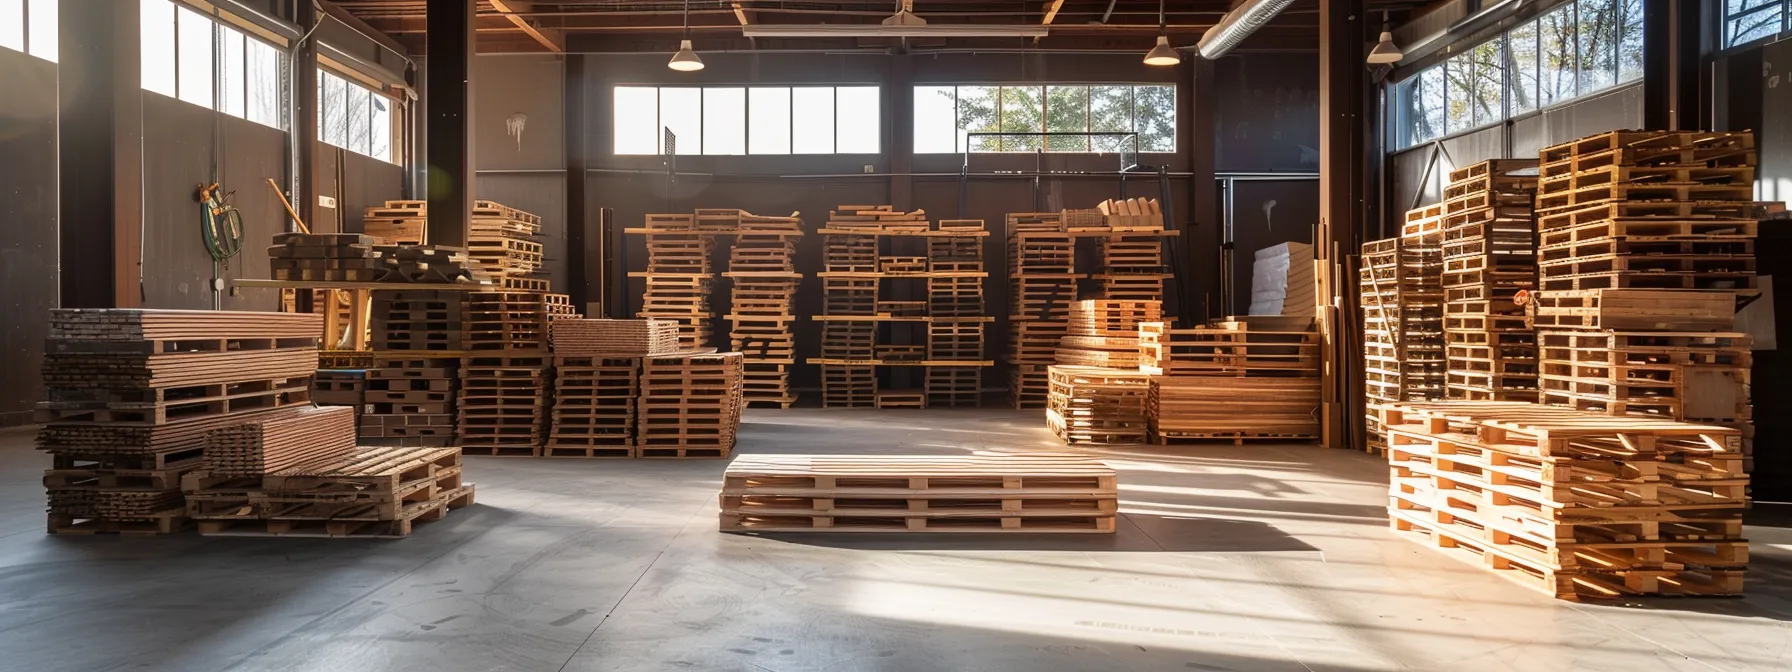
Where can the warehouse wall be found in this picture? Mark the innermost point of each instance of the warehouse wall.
(28, 269)
(526, 169)
(1267, 122)
(357, 183)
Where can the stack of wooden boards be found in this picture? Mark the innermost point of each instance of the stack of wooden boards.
(875, 260)
(132, 393)
(500, 239)
(679, 276)
(918, 493)
(690, 405)
(1247, 378)
(1042, 281)
(342, 492)
(1105, 332)
(1576, 504)
(762, 270)
(1490, 257)
(344, 257)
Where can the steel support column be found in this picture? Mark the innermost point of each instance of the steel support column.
(304, 123)
(1673, 41)
(1343, 189)
(449, 125)
(100, 154)
(579, 248)
(1202, 239)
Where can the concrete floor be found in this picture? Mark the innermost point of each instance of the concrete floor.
(1257, 557)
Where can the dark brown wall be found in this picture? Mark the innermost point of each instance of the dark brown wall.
(28, 269)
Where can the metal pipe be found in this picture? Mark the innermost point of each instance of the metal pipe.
(1238, 24)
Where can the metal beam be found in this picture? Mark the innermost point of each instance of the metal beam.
(1672, 46)
(579, 250)
(449, 123)
(1343, 185)
(100, 156)
(304, 121)
(551, 38)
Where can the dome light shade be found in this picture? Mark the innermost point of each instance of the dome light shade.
(1162, 54)
(1385, 52)
(685, 60)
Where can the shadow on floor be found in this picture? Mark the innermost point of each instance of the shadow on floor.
(1137, 533)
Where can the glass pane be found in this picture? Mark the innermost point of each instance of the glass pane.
(977, 114)
(725, 121)
(1598, 44)
(768, 120)
(43, 18)
(12, 24)
(1155, 109)
(681, 109)
(1630, 40)
(857, 129)
(264, 65)
(1476, 80)
(381, 145)
(1555, 70)
(1458, 116)
(359, 120)
(1429, 105)
(1521, 59)
(934, 131)
(333, 104)
(812, 109)
(194, 34)
(636, 120)
(1763, 21)
(157, 17)
(232, 72)
(1023, 111)
(1067, 111)
(1110, 110)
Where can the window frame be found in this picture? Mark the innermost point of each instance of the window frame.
(960, 144)
(222, 24)
(790, 148)
(1727, 19)
(351, 80)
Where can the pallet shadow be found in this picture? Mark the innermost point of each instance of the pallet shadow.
(1135, 533)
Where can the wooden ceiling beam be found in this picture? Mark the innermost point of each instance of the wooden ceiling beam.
(553, 39)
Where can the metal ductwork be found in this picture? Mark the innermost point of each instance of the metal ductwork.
(1238, 24)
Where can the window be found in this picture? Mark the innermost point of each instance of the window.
(1576, 49)
(29, 26)
(188, 55)
(1750, 20)
(748, 120)
(353, 116)
(945, 116)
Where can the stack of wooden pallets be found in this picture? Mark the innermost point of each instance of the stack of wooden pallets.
(918, 493)
(1129, 243)
(679, 276)
(500, 239)
(1489, 256)
(1402, 301)
(410, 401)
(507, 320)
(850, 306)
(613, 338)
(956, 316)
(502, 404)
(1042, 281)
(1105, 332)
(367, 492)
(1576, 504)
(593, 406)
(1092, 404)
(132, 393)
(762, 270)
(341, 257)
(1248, 378)
(1666, 352)
(690, 405)
(419, 319)
(339, 387)
(427, 264)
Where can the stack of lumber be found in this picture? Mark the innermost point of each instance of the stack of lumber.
(500, 239)
(340, 257)
(1575, 504)
(427, 264)
(1490, 256)
(918, 493)
(367, 492)
(1042, 281)
(594, 406)
(1105, 332)
(507, 320)
(762, 267)
(502, 405)
(1647, 243)
(678, 276)
(339, 387)
(956, 316)
(419, 319)
(1097, 405)
(278, 440)
(690, 405)
(1131, 213)
(1283, 281)
(410, 401)
(1247, 378)
(613, 338)
(132, 393)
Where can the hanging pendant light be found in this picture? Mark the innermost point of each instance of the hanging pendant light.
(1385, 51)
(686, 60)
(1162, 54)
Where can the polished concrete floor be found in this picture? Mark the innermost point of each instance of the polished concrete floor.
(1258, 557)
